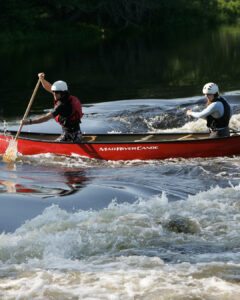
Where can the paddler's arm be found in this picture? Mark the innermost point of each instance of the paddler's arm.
(206, 112)
(41, 119)
(46, 85)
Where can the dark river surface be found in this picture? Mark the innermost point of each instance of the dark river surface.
(77, 228)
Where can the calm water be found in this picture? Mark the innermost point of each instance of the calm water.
(75, 228)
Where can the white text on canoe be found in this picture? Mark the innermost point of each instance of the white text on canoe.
(137, 148)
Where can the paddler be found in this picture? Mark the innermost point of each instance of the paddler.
(217, 113)
(67, 110)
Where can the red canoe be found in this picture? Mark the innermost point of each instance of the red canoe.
(127, 146)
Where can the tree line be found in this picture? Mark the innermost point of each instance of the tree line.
(39, 16)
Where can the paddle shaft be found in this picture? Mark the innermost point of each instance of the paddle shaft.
(28, 108)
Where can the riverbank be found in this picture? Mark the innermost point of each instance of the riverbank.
(90, 23)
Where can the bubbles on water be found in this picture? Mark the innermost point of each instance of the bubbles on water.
(120, 229)
(53, 160)
(186, 248)
(235, 122)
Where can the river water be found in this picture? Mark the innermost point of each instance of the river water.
(77, 228)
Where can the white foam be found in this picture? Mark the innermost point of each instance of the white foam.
(197, 125)
(123, 251)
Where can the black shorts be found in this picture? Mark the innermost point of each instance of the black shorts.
(75, 136)
(224, 132)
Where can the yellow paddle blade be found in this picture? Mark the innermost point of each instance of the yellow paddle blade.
(10, 154)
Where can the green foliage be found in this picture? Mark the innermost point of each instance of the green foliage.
(20, 18)
(229, 10)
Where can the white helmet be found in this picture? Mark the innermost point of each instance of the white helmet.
(210, 88)
(59, 86)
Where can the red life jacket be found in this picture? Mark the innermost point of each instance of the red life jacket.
(77, 110)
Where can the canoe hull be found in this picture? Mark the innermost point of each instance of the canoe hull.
(130, 150)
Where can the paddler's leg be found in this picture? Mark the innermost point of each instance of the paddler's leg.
(219, 133)
(75, 137)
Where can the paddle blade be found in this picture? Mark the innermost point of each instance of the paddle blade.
(10, 154)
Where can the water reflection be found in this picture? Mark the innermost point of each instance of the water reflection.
(12, 188)
(124, 68)
(44, 185)
(75, 181)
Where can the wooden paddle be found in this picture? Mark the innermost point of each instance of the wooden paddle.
(11, 151)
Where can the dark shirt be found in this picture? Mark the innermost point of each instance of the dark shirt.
(64, 110)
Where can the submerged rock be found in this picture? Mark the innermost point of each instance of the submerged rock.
(181, 224)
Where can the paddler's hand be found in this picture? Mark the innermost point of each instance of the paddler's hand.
(41, 76)
(189, 112)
